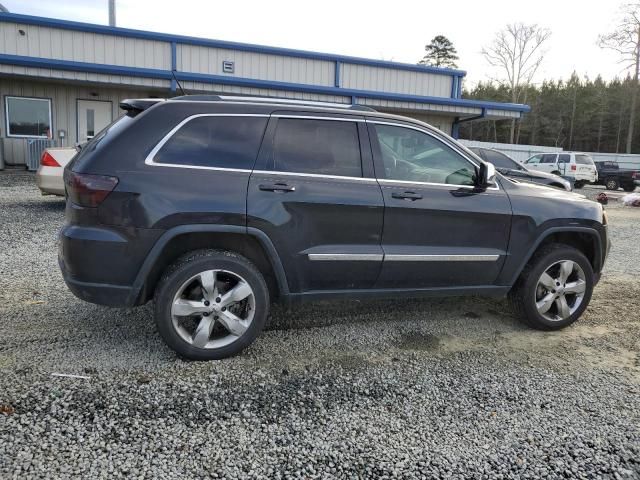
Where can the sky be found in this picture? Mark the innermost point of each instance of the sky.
(388, 30)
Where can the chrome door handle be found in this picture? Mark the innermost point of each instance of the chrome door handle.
(406, 195)
(276, 187)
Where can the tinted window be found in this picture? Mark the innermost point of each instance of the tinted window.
(326, 147)
(28, 117)
(564, 158)
(223, 142)
(549, 158)
(584, 160)
(500, 160)
(478, 151)
(411, 155)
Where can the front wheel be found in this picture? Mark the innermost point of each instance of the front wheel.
(554, 288)
(612, 184)
(629, 187)
(211, 304)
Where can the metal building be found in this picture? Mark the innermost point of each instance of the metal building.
(63, 80)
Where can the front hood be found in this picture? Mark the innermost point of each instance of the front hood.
(545, 175)
(548, 202)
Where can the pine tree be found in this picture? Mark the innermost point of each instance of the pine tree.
(440, 53)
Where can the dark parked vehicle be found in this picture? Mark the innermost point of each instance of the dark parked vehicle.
(611, 176)
(508, 167)
(214, 207)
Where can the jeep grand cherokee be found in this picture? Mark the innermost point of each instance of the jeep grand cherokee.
(214, 207)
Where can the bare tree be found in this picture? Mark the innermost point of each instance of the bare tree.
(626, 41)
(517, 50)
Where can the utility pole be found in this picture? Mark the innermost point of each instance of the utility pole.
(112, 13)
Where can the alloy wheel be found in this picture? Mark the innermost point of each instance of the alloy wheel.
(560, 290)
(213, 309)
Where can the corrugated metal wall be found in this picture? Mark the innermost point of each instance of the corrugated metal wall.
(365, 77)
(47, 42)
(197, 59)
(63, 105)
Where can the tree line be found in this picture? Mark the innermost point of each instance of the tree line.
(577, 114)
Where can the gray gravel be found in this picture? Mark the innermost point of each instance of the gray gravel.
(414, 389)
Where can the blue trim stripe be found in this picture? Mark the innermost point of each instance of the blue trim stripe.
(174, 65)
(249, 82)
(246, 47)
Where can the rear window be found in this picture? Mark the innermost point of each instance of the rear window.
(564, 158)
(584, 160)
(500, 160)
(220, 142)
(326, 147)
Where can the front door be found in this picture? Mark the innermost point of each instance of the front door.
(93, 116)
(314, 194)
(439, 230)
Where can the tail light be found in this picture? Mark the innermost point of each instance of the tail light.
(636, 175)
(574, 168)
(47, 160)
(88, 190)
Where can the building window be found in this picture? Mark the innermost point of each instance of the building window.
(28, 117)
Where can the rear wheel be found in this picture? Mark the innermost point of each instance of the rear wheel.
(612, 184)
(629, 187)
(554, 288)
(579, 184)
(211, 304)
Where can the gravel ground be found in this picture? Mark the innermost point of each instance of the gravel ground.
(413, 389)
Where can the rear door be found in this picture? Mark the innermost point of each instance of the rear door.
(314, 194)
(439, 230)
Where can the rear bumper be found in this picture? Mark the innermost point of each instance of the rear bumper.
(100, 293)
(99, 264)
(49, 180)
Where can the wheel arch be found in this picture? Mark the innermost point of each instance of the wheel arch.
(585, 239)
(249, 242)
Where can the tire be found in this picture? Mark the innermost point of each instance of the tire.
(203, 334)
(612, 184)
(628, 188)
(578, 185)
(556, 172)
(528, 290)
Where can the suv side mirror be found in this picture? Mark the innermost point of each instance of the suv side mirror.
(487, 177)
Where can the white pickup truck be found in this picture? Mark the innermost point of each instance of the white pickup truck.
(49, 175)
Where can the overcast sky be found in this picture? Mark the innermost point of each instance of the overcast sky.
(390, 30)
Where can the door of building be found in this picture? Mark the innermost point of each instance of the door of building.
(93, 116)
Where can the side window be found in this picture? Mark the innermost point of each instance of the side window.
(564, 158)
(549, 158)
(534, 160)
(500, 160)
(411, 155)
(222, 142)
(324, 147)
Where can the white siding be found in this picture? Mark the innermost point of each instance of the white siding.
(89, 47)
(389, 80)
(207, 60)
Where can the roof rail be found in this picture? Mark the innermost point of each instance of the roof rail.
(287, 101)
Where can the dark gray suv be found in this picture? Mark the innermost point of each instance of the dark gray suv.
(214, 207)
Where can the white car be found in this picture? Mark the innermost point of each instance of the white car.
(575, 165)
(49, 175)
